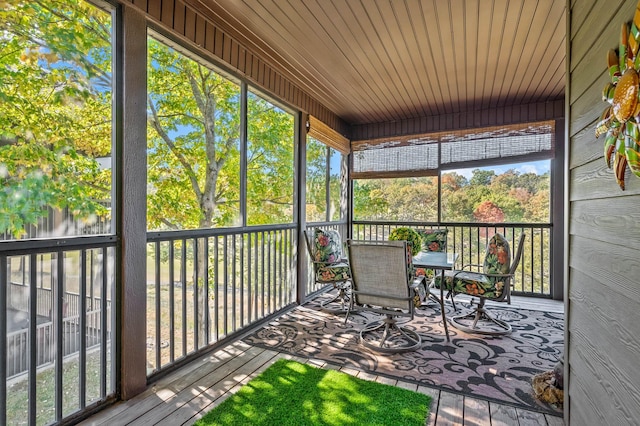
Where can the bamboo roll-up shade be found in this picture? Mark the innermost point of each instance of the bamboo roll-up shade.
(426, 154)
(395, 158)
(325, 134)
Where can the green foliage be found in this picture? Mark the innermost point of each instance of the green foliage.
(513, 197)
(482, 177)
(270, 162)
(335, 184)
(368, 201)
(396, 199)
(194, 148)
(316, 196)
(317, 168)
(509, 195)
(18, 390)
(410, 236)
(192, 143)
(55, 109)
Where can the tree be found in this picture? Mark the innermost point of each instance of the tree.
(316, 181)
(488, 212)
(194, 152)
(537, 209)
(55, 109)
(193, 133)
(453, 181)
(270, 162)
(482, 177)
(508, 179)
(369, 202)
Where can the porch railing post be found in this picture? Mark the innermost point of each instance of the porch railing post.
(132, 220)
(301, 199)
(557, 215)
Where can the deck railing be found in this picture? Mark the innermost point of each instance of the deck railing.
(205, 285)
(469, 240)
(341, 227)
(58, 352)
(18, 341)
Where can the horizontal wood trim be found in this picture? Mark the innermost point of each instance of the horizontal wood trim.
(592, 219)
(387, 175)
(600, 411)
(584, 146)
(587, 107)
(586, 74)
(590, 45)
(603, 291)
(599, 32)
(199, 30)
(481, 118)
(597, 353)
(583, 401)
(594, 180)
(614, 272)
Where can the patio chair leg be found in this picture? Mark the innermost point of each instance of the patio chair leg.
(450, 296)
(480, 314)
(410, 339)
(343, 296)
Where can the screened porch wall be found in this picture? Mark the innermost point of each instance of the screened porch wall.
(603, 291)
(514, 114)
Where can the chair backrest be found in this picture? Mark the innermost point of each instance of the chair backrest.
(433, 239)
(516, 258)
(324, 245)
(497, 259)
(379, 273)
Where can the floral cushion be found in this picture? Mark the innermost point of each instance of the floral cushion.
(498, 257)
(433, 239)
(478, 284)
(333, 273)
(471, 283)
(327, 249)
(326, 246)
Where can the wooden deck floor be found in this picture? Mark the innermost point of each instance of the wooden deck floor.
(187, 394)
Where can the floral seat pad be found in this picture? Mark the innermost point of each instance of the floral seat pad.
(472, 283)
(333, 273)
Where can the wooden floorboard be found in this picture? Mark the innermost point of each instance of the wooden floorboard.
(184, 396)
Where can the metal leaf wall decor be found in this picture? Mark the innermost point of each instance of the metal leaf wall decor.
(621, 119)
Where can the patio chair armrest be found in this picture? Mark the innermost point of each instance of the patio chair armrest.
(499, 275)
(485, 274)
(382, 295)
(471, 265)
(320, 264)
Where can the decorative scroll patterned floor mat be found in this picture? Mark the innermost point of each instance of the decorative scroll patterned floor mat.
(494, 368)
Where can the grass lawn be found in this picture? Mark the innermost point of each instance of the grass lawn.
(290, 393)
(18, 392)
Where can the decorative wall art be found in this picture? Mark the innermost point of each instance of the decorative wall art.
(620, 120)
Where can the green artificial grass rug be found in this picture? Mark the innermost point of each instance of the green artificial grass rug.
(290, 393)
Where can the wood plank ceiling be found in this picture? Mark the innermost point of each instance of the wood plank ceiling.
(373, 61)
